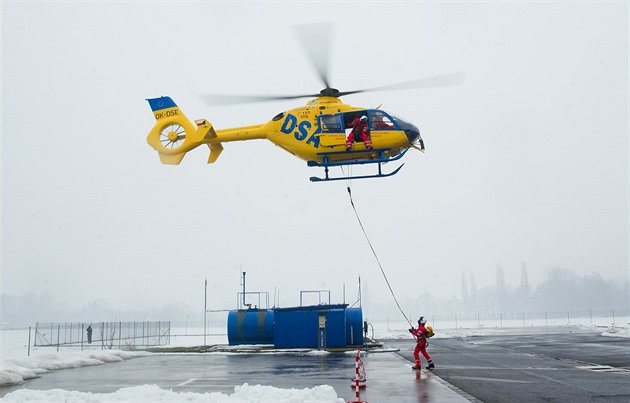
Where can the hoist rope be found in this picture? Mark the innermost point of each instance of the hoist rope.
(376, 256)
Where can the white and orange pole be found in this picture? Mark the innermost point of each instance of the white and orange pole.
(357, 379)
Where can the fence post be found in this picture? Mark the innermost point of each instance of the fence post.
(119, 332)
(546, 323)
(58, 331)
(82, 331)
(29, 342)
(568, 319)
(613, 312)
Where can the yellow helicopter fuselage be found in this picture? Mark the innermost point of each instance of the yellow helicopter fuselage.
(310, 132)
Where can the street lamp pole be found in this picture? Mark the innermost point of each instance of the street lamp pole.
(205, 310)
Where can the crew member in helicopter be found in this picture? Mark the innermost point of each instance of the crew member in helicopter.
(381, 123)
(361, 129)
(421, 343)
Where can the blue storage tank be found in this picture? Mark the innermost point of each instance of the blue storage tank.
(335, 328)
(296, 328)
(251, 326)
(354, 327)
(318, 326)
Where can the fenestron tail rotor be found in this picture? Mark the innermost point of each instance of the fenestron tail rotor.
(173, 136)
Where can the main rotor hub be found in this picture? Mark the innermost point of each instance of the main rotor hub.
(329, 92)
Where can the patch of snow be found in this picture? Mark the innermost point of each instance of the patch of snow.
(16, 370)
(153, 393)
(620, 333)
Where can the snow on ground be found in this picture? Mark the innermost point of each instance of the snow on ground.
(153, 393)
(448, 329)
(619, 333)
(17, 370)
(19, 363)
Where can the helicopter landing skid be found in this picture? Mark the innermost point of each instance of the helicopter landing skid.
(326, 163)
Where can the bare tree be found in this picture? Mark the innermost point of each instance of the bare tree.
(465, 295)
(473, 292)
(501, 287)
(522, 294)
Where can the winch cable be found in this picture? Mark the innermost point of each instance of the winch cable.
(349, 176)
(375, 255)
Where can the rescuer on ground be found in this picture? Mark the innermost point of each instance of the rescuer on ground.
(421, 334)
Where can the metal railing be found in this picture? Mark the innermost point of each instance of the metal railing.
(121, 335)
(586, 317)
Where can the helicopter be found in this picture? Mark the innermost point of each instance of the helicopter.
(316, 132)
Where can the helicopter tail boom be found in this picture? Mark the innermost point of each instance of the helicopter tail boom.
(174, 135)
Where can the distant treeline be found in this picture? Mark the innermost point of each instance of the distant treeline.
(561, 291)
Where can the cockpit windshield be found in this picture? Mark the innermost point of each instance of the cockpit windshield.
(380, 120)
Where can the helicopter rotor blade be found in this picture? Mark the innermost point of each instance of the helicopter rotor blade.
(315, 39)
(213, 99)
(445, 80)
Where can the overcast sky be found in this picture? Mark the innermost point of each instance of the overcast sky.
(526, 161)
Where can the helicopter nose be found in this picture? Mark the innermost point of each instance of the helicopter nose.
(411, 131)
(413, 134)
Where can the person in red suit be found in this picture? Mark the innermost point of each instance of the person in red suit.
(361, 129)
(421, 343)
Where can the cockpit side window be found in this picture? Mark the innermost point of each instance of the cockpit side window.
(331, 123)
(381, 121)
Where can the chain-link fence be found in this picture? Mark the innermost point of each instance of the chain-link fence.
(591, 317)
(615, 318)
(121, 335)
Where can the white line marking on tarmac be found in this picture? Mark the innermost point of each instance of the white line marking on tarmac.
(604, 368)
(476, 378)
(186, 382)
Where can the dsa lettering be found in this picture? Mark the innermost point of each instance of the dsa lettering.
(299, 130)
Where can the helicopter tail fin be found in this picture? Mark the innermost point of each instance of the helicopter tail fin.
(174, 135)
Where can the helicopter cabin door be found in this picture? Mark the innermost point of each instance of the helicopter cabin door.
(332, 130)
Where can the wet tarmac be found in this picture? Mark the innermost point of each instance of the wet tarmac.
(558, 365)
(540, 365)
(389, 377)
